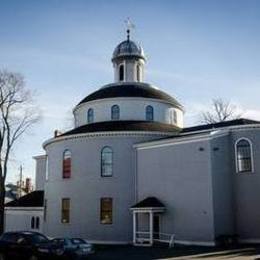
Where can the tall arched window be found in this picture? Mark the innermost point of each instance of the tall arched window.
(149, 113)
(175, 120)
(138, 73)
(244, 160)
(106, 162)
(121, 72)
(66, 167)
(115, 112)
(32, 223)
(37, 226)
(90, 115)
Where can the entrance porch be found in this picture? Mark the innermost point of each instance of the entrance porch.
(147, 215)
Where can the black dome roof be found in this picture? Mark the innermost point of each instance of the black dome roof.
(123, 125)
(130, 89)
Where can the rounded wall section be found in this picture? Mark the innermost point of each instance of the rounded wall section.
(86, 187)
(130, 109)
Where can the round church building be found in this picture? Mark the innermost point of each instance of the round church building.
(90, 182)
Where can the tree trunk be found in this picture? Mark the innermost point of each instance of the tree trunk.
(2, 206)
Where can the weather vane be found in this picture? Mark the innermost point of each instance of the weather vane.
(129, 26)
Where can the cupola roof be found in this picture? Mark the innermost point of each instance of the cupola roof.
(128, 48)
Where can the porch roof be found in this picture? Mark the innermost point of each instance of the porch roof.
(149, 202)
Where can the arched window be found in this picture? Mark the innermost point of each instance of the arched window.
(32, 223)
(121, 72)
(175, 117)
(106, 162)
(66, 171)
(37, 225)
(149, 113)
(115, 112)
(244, 154)
(138, 72)
(90, 115)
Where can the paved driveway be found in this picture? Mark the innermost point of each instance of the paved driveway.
(178, 253)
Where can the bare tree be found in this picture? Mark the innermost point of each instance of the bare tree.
(17, 114)
(220, 111)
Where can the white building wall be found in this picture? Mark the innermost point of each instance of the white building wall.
(86, 186)
(19, 219)
(40, 171)
(130, 109)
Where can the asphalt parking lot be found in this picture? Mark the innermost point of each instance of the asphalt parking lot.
(178, 252)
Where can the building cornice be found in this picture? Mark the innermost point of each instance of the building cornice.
(106, 134)
(202, 136)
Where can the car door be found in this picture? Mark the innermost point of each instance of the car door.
(10, 250)
(22, 247)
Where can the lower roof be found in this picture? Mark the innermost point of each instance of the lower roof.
(235, 122)
(115, 126)
(33, 199)
(149, 202)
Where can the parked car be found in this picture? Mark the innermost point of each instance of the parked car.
(72, 248)
(25, 245)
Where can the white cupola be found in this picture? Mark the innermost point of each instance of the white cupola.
(128, 61)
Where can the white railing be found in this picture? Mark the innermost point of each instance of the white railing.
(143, 237)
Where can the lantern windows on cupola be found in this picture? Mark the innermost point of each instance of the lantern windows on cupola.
(128, 60)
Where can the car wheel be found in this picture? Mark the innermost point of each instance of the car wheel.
(2, 256)
(33, 257)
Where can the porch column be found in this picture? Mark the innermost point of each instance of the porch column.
(151, 227)
(134, 227)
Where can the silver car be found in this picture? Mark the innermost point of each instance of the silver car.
(71, 248)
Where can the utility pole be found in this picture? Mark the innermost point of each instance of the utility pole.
(21, 181)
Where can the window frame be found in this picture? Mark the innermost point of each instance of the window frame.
(66, 174)
(64, 211)
(117, 112)
(251, 155)
(90, 115)
(102, 211)
(149, 112)
(112, 161)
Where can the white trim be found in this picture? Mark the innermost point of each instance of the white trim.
(144, 210)
(106, 134)
(195, 243)
(250, 241)
(235, 127)
(43, 156)
(179, 140)
(251, 154)
(24, 208)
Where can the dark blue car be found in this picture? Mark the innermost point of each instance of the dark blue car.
(72, 248)
(25, 246)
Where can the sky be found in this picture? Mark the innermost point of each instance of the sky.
(196, 51)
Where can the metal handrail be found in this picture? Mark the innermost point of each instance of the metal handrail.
(170, 240)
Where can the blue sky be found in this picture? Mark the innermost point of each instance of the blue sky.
(196, 50)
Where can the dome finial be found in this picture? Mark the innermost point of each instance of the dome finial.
(129, 26)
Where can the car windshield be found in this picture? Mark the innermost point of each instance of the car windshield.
(77, 241)
(39, 239)
(10, 237)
